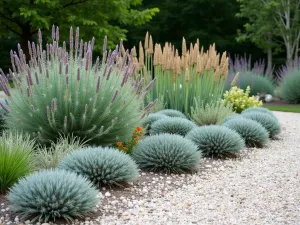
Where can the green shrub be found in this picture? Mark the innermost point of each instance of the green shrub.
(102, 165)
(259, 109)
(2, 114)
(47, 158)
(268, 122)
(172, 113)
(167, 153)
(65, 93)
(258, 83)
(289, 89)
(253, 133)
(151, 118)
(16, 159)
(216, 140)
(53, 194)
(172, 125)
(212, 113)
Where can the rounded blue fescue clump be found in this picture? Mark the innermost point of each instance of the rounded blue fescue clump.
(53, 194)
(102, 165)
(216, 140)
(172, 125)
(233, 117)
(167, 153)
(172, 113)
(289, 87)
(260, 110)
(151, 118)
(270, 123)
(253, 133)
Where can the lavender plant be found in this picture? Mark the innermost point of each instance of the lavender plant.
(61, 92)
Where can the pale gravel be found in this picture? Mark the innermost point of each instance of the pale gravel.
(261, 188)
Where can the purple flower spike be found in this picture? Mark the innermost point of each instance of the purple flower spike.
(76, 39)
(40, 36)
(57, 34)
(78, 74)
(71, 38)
(60, 68)
(53, 32)
(98, 84)
(28, 91)
(151, 84)
(67, 68)
(53, 105)
(115, 96)
(4, 108)
(67, 81)
(104, 43)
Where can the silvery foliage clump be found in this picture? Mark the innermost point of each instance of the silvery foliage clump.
(216, 140)
(259, 109)
(253, 133)
(167, 153)
(172, 113)
(101, 165)
(53, 194)
(172, 125)
(150, 119)
(270, 123)
(62, 92)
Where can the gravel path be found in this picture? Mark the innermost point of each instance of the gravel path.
(262, 188)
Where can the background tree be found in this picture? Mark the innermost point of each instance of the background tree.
(94, 17)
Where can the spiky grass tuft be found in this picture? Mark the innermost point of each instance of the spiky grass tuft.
(151, 118)
(172, 125)
(102, 165)
(289, 87)
(167, 153)
(64, 93)
(270, 123)
(233, 117)
(172, 113)
(258, 109)
(53, 194)
(216, 140)
(253, 133)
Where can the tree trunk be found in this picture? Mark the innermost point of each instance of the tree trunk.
(269, 65)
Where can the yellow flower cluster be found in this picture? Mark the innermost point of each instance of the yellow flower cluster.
(240, 99)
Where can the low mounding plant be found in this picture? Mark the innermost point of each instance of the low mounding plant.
(289, 89)
(151, 118)
(233, 117)
(53, 194)
(216, 140)
(240, 99)
(102, 165)
(64, 93)
(268, 122)
(253, 133)
(172, 125)
(16, 159)
(47, 158)
(212, 113)
(172, 113)
(2, 114)
(167, 153)
(259, 109)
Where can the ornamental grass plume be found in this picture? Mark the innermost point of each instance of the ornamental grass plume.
(61, 92)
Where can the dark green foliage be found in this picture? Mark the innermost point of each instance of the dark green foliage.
(258, 83)
(253, 133)
(53, 194)
(16, 159)
(270, 123)
(216, 140)
(259, 109)
(167, 153)
(172, 125)
(102, 165)
(151, 118)
(172, 113)
(289, 89)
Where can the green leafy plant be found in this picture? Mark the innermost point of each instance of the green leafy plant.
(53, 194)
(3, 112)
(259, 109)
(213, 113)
(240, 99)
(172, 113)
(47, 158)
(16, 158)
(102, 165)
(270, 123)
(253, 133)
(167, 153)
(129, 145)
(172, 125)
(289, 88)
(216, 140)
(65, 93)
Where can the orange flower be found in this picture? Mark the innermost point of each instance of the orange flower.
(139, 128)
(125, 148)
(136, 137)
(119, 144)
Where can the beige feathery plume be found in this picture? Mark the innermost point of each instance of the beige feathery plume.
(145, 74)
(146, 44)
(208, 64)
(150, 50)
(217, 74)
(197, 42)
(134, 52)
(183, 47)
(178, 66)
(187, 74)
(141, 54)
(123, 50)
(191, 48)
(202, 51)
(236, 77)
(155, 57)
(176, 53)
(159, 54)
